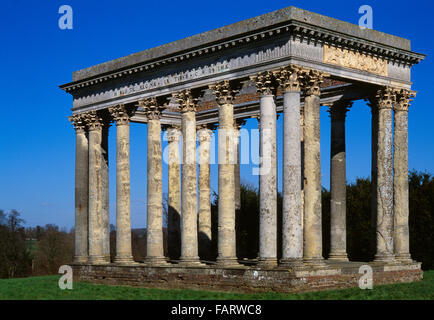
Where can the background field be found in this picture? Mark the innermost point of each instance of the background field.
(46, 288)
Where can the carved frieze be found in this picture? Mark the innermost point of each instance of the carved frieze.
(355, 60)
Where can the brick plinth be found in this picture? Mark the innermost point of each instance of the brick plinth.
(246, 279)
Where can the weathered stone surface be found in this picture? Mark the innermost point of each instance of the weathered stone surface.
(374, 148)
(81, 190)
(292, 232)
(237, 178)
(204, 136)
(268, 182)
(338, 183)
(96, 190)
(174, 194)
(384, 185)
(247, 280)
(226, 186)
(400, 182)
(123, 215)
(266, 20)
(189, 241)
(105, 192)
(312, 252)
(355, 60)
(155, 250)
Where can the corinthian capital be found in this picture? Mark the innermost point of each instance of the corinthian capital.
(312, 80)
(403, 99)
(238, 123)
(224, 92)
(338, 110)
(173, 133)
(121, 114)
(152, 107)
(79, 122)
(384, 98)
(186, 100)
(204, 133)
(93, 120)
(264, 82)
(289, 78)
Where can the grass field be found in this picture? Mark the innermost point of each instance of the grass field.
(46, 288)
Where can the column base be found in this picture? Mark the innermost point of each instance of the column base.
(190, 262)
(156, 261)
(81, 259)
(384, 258)
(267, 263)
(337, 256)
(124, 260)
(227, 262)
(98, 260)
(315, 262)
(293, 263)
(404, 258)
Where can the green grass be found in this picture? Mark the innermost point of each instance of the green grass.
(46, 288)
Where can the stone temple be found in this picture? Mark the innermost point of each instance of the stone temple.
(287, 62)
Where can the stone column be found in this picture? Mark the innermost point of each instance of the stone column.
(174, 196)
(96, 190)
(204, 135)
(154, 225)
(189, 241)
(400, 182)
(302, 164)
(338, 182)
(374, 137)
(105, 187)
(268, 172)
(292, 232)
(312, 251)
(123, 207)
(238, 123)
(81, 188)
(227, 255)
(384, 183)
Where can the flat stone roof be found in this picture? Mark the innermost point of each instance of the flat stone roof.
(275, 18)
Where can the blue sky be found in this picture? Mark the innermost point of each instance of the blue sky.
(37, 141)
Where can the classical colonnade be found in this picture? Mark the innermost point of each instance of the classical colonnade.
(301, 225)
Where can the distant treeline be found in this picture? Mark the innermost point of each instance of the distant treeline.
(42, 250)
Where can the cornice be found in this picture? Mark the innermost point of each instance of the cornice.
(295, 29)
